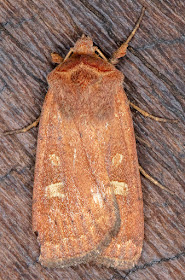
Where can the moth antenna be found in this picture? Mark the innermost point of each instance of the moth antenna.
(121, 51)
(136, 26)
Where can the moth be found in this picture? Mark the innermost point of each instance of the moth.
(87, 197)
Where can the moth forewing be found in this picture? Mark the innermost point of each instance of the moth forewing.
(75, 211)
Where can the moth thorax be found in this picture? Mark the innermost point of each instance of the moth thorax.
(84, 45)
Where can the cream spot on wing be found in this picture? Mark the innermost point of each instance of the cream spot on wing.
(50, 219)
(97, 197)
(120, 188)
(118, 245)
(74, 158)
(106, 125)
(55, 160)
(129, 243)
(74, 153)
(108, 190)
(55, 190)
(83, 236)
(117, 159)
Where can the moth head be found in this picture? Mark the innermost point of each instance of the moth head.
(84, 45)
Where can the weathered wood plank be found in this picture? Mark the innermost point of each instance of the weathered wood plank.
(153, 68)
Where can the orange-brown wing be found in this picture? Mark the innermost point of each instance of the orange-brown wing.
(74, 208)
(122, 165)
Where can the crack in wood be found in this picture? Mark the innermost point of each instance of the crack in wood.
(146, 265)
(162, 42)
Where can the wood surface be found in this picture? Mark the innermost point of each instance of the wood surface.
(153, 69)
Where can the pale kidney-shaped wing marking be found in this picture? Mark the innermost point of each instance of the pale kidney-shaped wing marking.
(74, 210)
(122, 165)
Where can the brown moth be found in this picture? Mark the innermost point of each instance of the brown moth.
(87, 198)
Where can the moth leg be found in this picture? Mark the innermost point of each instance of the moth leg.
(100, 53)
(25, 129)
(68, 54)
(147, 115)
(56, 58)
(155, 182)
(121, 51)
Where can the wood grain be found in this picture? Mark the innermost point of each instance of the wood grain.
(153, 69)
